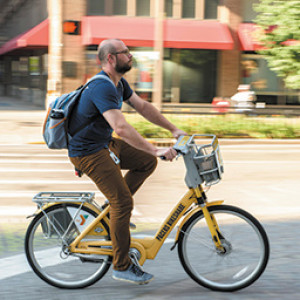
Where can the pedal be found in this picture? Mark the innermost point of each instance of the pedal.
(134, 255)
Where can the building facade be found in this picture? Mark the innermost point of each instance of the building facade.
(202, 54)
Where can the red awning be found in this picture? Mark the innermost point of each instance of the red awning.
(135, 32)
(139, 32)
(248, 33)
(33, 38)
(197, 34)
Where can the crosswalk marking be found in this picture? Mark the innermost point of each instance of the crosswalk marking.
(33, 161)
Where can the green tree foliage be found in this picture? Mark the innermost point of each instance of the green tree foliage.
(280, 21)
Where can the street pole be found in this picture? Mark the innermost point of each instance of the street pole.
(54, 84)
(159, 49)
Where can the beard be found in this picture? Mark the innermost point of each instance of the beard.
(122, 68)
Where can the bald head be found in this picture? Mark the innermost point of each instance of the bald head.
(106, 47)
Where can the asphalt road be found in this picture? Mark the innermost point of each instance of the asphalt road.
(260, 178)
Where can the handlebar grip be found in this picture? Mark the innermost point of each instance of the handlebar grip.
(162, 157)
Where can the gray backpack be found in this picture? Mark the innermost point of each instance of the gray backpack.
(55, 129)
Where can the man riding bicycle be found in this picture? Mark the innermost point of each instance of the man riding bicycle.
(94, 151)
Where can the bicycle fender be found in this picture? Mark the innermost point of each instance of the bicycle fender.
(40, 209)
(190, 214)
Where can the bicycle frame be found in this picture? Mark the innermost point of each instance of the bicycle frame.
(148, 247)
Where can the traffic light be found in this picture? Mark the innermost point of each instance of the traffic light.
(71, 27)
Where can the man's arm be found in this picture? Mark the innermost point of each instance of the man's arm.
(149, 112)
(118, 123)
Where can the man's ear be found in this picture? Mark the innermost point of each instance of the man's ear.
(110, 58)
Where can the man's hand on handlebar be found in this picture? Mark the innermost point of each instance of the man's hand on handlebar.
(166, 153)
(178, 132)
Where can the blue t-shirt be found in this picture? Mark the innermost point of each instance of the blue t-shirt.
(98, 97)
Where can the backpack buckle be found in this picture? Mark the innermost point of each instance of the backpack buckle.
(78, 173)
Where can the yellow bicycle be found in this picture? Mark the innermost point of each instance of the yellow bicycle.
(221, 247)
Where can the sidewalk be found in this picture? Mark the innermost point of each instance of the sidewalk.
(21, 123)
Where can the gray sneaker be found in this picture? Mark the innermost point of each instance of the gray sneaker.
(133, 274)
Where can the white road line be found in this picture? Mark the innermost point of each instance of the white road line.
(260, 150)
(13, 265)
(15, 211)
(18, 170)
(227, 161)
(71, 170)
(31, 194)
(14, 169)
(31, 155)
(17, 264)
(23, 211)
(44, 181)
(34, 161)
(257, 146)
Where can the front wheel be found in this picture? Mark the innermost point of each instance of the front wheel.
(46, 247)
(244, 240)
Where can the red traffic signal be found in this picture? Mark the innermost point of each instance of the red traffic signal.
(71, 27)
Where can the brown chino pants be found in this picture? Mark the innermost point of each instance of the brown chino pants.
(118, 189)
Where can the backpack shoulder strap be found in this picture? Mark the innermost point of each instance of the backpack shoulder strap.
(82, 88)
(101, 76)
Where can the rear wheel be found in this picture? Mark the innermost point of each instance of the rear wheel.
(46, 247)
(244, 240)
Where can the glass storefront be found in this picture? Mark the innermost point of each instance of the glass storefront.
(268, 87)
(189, 76)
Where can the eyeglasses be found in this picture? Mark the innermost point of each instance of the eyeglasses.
(126, 52)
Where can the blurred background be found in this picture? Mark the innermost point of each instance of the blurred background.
(187, 53)
(228, 67)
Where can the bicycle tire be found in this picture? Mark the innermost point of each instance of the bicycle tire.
(44, 249)
(246, 255)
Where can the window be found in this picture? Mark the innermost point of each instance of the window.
(120, 7)
(106, 7)
(211, 9)
(169, 8)
(143, 7)
(188, 9)
(248, 12)
(96, 7)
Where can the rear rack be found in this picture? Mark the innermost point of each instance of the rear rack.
(63, 197)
